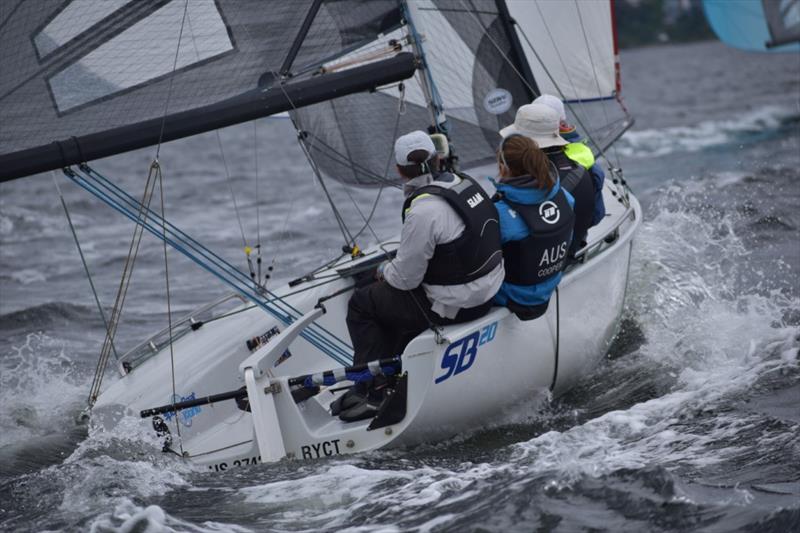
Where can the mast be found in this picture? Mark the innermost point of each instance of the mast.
(254, 104)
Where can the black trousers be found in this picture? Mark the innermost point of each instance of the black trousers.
(382, 320)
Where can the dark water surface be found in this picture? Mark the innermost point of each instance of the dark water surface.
(692, 423)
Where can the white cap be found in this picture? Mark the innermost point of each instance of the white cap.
(539, 122)
(553, 103)
(410, 142)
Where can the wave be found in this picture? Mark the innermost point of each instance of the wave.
(44, 315)
(759, 123)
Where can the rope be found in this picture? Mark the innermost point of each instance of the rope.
(558, 52)
(230, 186)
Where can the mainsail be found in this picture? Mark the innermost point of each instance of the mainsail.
(102, 77)
(756, 25)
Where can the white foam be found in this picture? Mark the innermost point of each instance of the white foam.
(331, 496)
(716, 340)
(27, 276)
(31, 376)
(127, 517)
(707, 133)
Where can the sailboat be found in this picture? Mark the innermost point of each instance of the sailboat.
(756, 25)
(251, 378)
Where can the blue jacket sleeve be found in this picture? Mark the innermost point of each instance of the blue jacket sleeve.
(598, 178)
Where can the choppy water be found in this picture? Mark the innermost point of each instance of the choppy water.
(691, 423)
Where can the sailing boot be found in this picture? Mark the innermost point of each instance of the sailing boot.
(353, 396)
(370, 404)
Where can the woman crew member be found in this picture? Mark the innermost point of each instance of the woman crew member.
(536, 224)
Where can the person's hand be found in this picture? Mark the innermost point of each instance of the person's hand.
(379, 271)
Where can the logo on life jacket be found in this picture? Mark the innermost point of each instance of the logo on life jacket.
(553, 254)
(549, 212)
(474, 200)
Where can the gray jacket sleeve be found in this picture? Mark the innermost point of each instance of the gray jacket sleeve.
(417, 243)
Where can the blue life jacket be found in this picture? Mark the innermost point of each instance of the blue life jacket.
(530, 285)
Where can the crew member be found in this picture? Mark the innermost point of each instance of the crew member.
(578, 152)
(541, 123)
(536, 223)
(448, 265)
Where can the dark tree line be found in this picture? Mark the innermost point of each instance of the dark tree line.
(646, 22)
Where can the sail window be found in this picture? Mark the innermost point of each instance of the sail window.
(76, 17)
(143, 52)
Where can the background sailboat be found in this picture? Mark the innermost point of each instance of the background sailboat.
(756, 25)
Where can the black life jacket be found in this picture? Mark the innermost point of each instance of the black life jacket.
(543, 253)
(476, 252)
(576, 180)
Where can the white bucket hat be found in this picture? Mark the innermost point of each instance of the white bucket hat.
(410, 142)
(539, 122)
(553, 103)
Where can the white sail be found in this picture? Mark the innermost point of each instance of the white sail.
(575, 42)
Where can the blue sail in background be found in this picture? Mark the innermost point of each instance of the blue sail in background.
(756, 25)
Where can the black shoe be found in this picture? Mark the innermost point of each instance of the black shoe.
(349, 399)
(363, 410)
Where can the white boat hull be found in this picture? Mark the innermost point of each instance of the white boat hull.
(477, 372)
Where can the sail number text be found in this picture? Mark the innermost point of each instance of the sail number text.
(461, 354)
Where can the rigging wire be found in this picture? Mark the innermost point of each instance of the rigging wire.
(233, 194)
(594, 72)
(558, 54)
(301, 138)
(101, 363)
(368, 219)
(245, 246)
(171, 79)
(258, 201)
(436, 329)
(544, 67)
(122, 290)
(117, 198)
(160, 178)
(472, 11)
